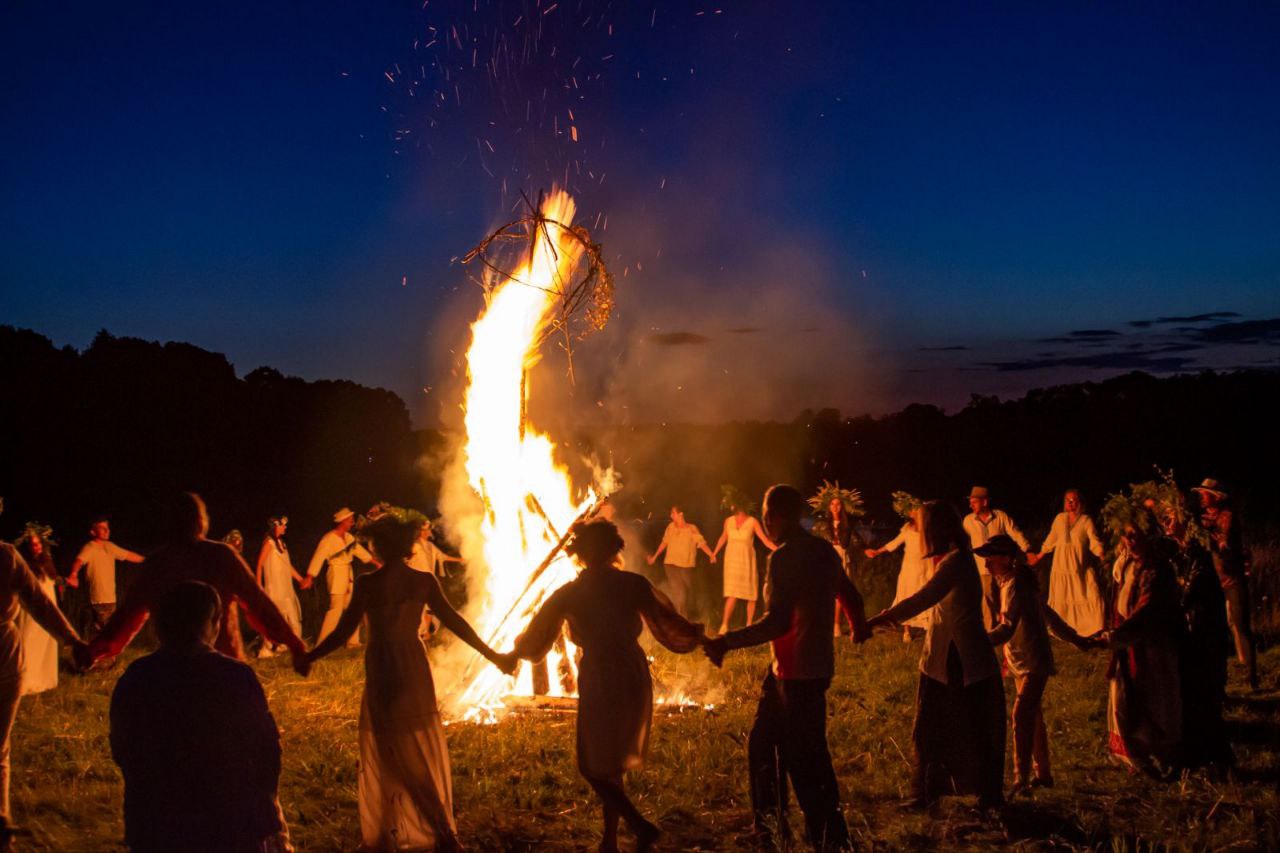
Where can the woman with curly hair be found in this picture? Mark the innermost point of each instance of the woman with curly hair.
(606, 608)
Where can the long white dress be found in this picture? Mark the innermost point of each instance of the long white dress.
(406, 793)
(740, 577)
(39, 660)
(914, 572)
(277, 583)
(1073, 586)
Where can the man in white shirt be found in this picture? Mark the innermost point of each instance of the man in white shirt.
(982, 523)
(98, 559)
(681, 542)
(337, 548)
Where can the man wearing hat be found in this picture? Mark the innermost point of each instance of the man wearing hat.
(337, 548)
(982, 523)
(1231, 563)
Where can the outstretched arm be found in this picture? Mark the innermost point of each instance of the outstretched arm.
(667, 626)
(453, 620)
(724, 537)
(762, 536)
(934, 590)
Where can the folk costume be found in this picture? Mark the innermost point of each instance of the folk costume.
(1073, 586)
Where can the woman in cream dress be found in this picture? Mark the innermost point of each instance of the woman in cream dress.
(1073, 587)
(741, 578)
(276, 576)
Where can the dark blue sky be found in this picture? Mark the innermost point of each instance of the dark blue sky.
(813, 192)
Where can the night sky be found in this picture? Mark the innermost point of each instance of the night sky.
(812, 205)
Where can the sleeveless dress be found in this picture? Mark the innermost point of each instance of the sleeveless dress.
(405, 789)
(277, 583)
(740, 578)
(39, 649)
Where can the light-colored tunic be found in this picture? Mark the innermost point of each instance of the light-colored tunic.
(1073, 586)
(980, 531)
(682, 545)
(426, 557)
(605, 609)
(740, 577)
(39, 649)
(338, 550)
(915, 569)
(99, 558)
(277, 582)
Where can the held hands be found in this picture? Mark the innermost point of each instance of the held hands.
(302, 663)
(871, 553)
(1033, 558)
(507, 662)
(80, 656)
(882, 621)
(306, 582)
(650, 559)
(715, 649)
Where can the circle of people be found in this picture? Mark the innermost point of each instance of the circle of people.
(200, 752)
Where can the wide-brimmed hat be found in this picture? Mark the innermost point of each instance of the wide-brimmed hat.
(998, 545)
(342, 515)
(1211, 486)
(979, 492)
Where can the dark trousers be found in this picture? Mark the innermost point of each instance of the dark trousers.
(680, 588)
(789, 740)
(959, 736)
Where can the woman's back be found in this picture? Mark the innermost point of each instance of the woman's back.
(603, 607)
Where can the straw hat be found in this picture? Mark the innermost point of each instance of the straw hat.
(979, 492)
(1211, 486)
(342, 515)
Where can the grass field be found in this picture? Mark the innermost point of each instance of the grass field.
(516, 788)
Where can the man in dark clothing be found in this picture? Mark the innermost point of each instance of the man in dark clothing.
(789, 736)
(1231, 564)
(195, 741)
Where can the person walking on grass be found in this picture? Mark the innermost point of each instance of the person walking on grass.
(276, 575)
(959, 730)
(681, 542)
(1230, 560)
(404, 784)
(788, 739)
(1073, 586)
(737, 539)
(19, 586)
(98, 561)
(195, 741)
(337, 548)
(983, 522)
(605, 609)
(1022, 628)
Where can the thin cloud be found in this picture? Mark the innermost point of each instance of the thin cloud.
(956, 348)
(1248, 332)
(1100, 361)
(678, 339)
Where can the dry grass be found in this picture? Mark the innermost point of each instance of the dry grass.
(516, 787)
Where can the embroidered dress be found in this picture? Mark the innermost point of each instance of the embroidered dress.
(1073, 587)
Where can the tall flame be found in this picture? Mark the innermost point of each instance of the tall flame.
(528, 498)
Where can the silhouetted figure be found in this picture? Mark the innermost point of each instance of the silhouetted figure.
(983, 522)
(98, 561)
(741, 580)
(959, 730)
(1205, 654)
(195, 740)
(276, 575)
(1144, 713)
(789, 736)
(405, 790)
(1073, 586)
(915, 570)
(190, 556)
(605, 608)
(336, 549)
(19, 585)
(1022, 627)
(1231, 563)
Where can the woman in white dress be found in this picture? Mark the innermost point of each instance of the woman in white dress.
(276, 576)
(737, 539)
(1073, 586)
(405, 789)
(39, 660)
(915, 571)
(427, 557)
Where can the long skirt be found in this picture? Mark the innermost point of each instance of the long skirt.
(615, 712)
(959, 736)
(1144, 711)
(39, 650)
